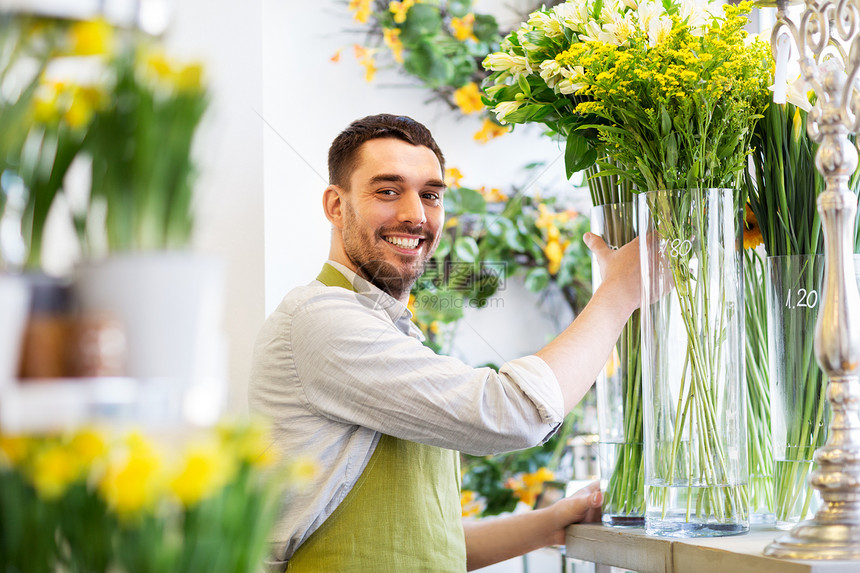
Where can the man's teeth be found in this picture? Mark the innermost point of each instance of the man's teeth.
(403, 243)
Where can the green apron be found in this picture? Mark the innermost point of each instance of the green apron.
(402, 516)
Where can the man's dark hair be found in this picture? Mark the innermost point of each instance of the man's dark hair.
(343, 152)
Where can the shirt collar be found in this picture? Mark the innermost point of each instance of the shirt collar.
(400, 315)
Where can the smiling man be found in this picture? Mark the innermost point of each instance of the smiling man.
(340, 370)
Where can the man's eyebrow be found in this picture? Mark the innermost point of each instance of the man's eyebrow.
(395, 178)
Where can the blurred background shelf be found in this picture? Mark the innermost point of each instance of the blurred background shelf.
(61, 404)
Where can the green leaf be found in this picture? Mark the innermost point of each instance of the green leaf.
(429, 64)
(486, 29)
(472, 202)
(537, 279)
(524, 85)
(466, 249)
(422, 20)
(459, 8)
(578, 154)
(443, 248)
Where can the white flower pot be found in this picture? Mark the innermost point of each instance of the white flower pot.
(14, 309)
(171, 307)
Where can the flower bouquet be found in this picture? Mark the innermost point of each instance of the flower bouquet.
(677, 88)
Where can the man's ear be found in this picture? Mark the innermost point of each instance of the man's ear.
(333, 205)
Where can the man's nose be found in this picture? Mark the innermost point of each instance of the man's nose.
(411, 209)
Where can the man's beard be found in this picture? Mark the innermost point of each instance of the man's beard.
(369, 258)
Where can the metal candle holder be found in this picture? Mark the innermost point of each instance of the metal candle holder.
(828, 42)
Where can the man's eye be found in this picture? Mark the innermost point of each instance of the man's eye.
(431, 196)
(386, 192)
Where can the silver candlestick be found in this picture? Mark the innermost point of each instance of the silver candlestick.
(828, 41)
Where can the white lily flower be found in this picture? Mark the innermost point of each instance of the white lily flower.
(618, 30)
(658, 29)
(505, 108)
(798, 94)
(591, 33)
(550, 72)
(647, 11)
(503, 62)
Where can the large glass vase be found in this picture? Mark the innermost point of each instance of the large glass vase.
(798, 385)
(692, 363)
(619, 394)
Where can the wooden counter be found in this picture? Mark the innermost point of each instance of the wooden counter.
(631, 549)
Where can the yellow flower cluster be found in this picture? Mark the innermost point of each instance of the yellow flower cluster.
(554, 247)
(391, 37)
(400, 9)
(169, 75)
(468, 98)
(471, 504)
(61, 102)
(134, 475)
(464, 28)
(528, 486)
(366, 59)
(489, 130)
(361, 9)
(90, 38)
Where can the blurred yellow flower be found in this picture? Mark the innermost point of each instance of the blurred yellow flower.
(471, 504)
(612, 364)
(54, 468)
(400, 9)
(73, 104)
(365, 58)
(554, 251)
(205, 469)
(493, 195)
(545, 217)
(468, 98)
(134, 479)
(464, 27)
(410, 305)
(362, 9)
(528, 486)
(13, 449)
(453, 177)
(252, 443)
(91, 38)
(189, 78)
(391, 37)
(88, 445)
(452, 222)
(301, 471)
(434, 327)
(165, 74)
(336, 56)
(489, 130)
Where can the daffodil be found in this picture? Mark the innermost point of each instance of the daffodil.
(302, 471)
(204, 471)
(54, 468)
(14, 449)
(90, 38)
(134, 479)
(468, 98)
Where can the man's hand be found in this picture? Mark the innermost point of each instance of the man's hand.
(581, 507)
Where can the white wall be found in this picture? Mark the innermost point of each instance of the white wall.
(226, 35)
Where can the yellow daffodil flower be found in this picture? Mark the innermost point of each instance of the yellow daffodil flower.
(204, 471)
(13, 449)
(453, 177)
(361, 8)
(133, 481)
(489, 130)
(90, 38)
(464, 28)
(400, 9)
(554, 251)
(468, 98)
(88, 445)
(54, 469)
(391, 37)
(189, 78)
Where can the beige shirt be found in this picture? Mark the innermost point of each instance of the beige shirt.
(334, 369)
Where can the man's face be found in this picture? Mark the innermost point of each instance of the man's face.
(393, 213)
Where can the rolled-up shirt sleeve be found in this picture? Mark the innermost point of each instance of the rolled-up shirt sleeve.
(356, 367)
